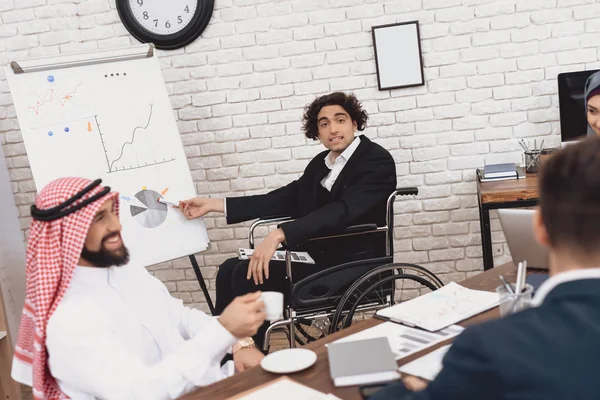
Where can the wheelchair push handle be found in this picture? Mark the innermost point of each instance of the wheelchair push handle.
(408, 191)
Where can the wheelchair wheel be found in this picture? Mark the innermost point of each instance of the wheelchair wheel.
(307, 336)
(377, 289)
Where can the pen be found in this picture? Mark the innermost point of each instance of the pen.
(519, 278)
(163, 201)
(523, 276)
(522, 146)
(506, 285)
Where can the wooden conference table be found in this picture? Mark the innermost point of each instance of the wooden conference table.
(318, 377)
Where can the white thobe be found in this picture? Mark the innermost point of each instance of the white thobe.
(118, 334)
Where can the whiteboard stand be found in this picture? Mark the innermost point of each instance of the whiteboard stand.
(9, 388)
(200, 278)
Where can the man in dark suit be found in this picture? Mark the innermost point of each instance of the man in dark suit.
(551, 351)
(348, 184)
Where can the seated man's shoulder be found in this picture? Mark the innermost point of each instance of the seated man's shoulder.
(376, 150)
(518, 333)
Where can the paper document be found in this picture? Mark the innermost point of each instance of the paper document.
(284, 388)
(403, 340)
(441, 308)
(428, 366)
(297, 256)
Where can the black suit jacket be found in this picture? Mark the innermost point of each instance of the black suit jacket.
(551, 352)
(358, 196)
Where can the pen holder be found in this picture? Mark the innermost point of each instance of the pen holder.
(511, 303)
(545, 155)
(532, 161)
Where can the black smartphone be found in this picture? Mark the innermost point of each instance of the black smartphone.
(369, 390)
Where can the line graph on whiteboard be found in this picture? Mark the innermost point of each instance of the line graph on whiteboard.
(67, 111)
(54, 94)
(138, 149)
(59, 100)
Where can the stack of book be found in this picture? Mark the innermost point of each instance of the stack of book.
(498, 172)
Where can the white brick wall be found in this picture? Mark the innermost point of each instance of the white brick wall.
(239, 90)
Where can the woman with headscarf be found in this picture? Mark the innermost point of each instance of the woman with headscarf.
(592, 104)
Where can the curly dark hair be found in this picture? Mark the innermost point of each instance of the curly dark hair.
(348, 102)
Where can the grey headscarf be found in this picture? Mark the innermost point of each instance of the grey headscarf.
(592, 83)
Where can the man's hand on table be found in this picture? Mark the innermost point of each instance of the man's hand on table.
(247, 358)
(414, 384)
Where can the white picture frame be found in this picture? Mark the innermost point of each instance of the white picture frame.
(398, 55)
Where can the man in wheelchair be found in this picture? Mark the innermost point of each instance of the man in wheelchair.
(346, 185)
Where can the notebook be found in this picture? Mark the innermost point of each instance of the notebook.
(361, 362)
(520, 174)
(297, 256)
(437, 310)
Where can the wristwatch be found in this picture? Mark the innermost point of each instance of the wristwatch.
(245, 343)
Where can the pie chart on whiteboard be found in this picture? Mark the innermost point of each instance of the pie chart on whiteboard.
(148, 212)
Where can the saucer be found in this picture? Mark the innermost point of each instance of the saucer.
(288, 361)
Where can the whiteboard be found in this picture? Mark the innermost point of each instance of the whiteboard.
(85, 115)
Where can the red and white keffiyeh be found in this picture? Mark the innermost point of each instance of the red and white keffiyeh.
(53, 251)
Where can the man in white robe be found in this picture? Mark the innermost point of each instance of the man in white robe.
(97, 327)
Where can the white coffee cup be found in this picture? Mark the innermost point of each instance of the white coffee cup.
(273, 305)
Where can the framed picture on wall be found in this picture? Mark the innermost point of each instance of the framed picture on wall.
(398, 55)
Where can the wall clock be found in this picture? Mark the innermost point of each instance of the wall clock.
(169, 24)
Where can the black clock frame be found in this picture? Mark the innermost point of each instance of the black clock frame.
(198, 23)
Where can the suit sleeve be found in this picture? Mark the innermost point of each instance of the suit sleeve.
(467, 374)
(278, 203)
(373, 183)
(282, 202)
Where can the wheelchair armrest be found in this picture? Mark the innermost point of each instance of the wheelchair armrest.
(260, 222)
(359, 228)
(354, 229)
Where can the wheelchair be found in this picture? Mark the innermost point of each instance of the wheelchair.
(380, 285)
(331, 298)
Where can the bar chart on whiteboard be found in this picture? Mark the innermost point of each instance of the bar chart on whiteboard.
(113, 120)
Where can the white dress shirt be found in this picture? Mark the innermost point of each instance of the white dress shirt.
(338, 165)
(563, 277)
(118, 334)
